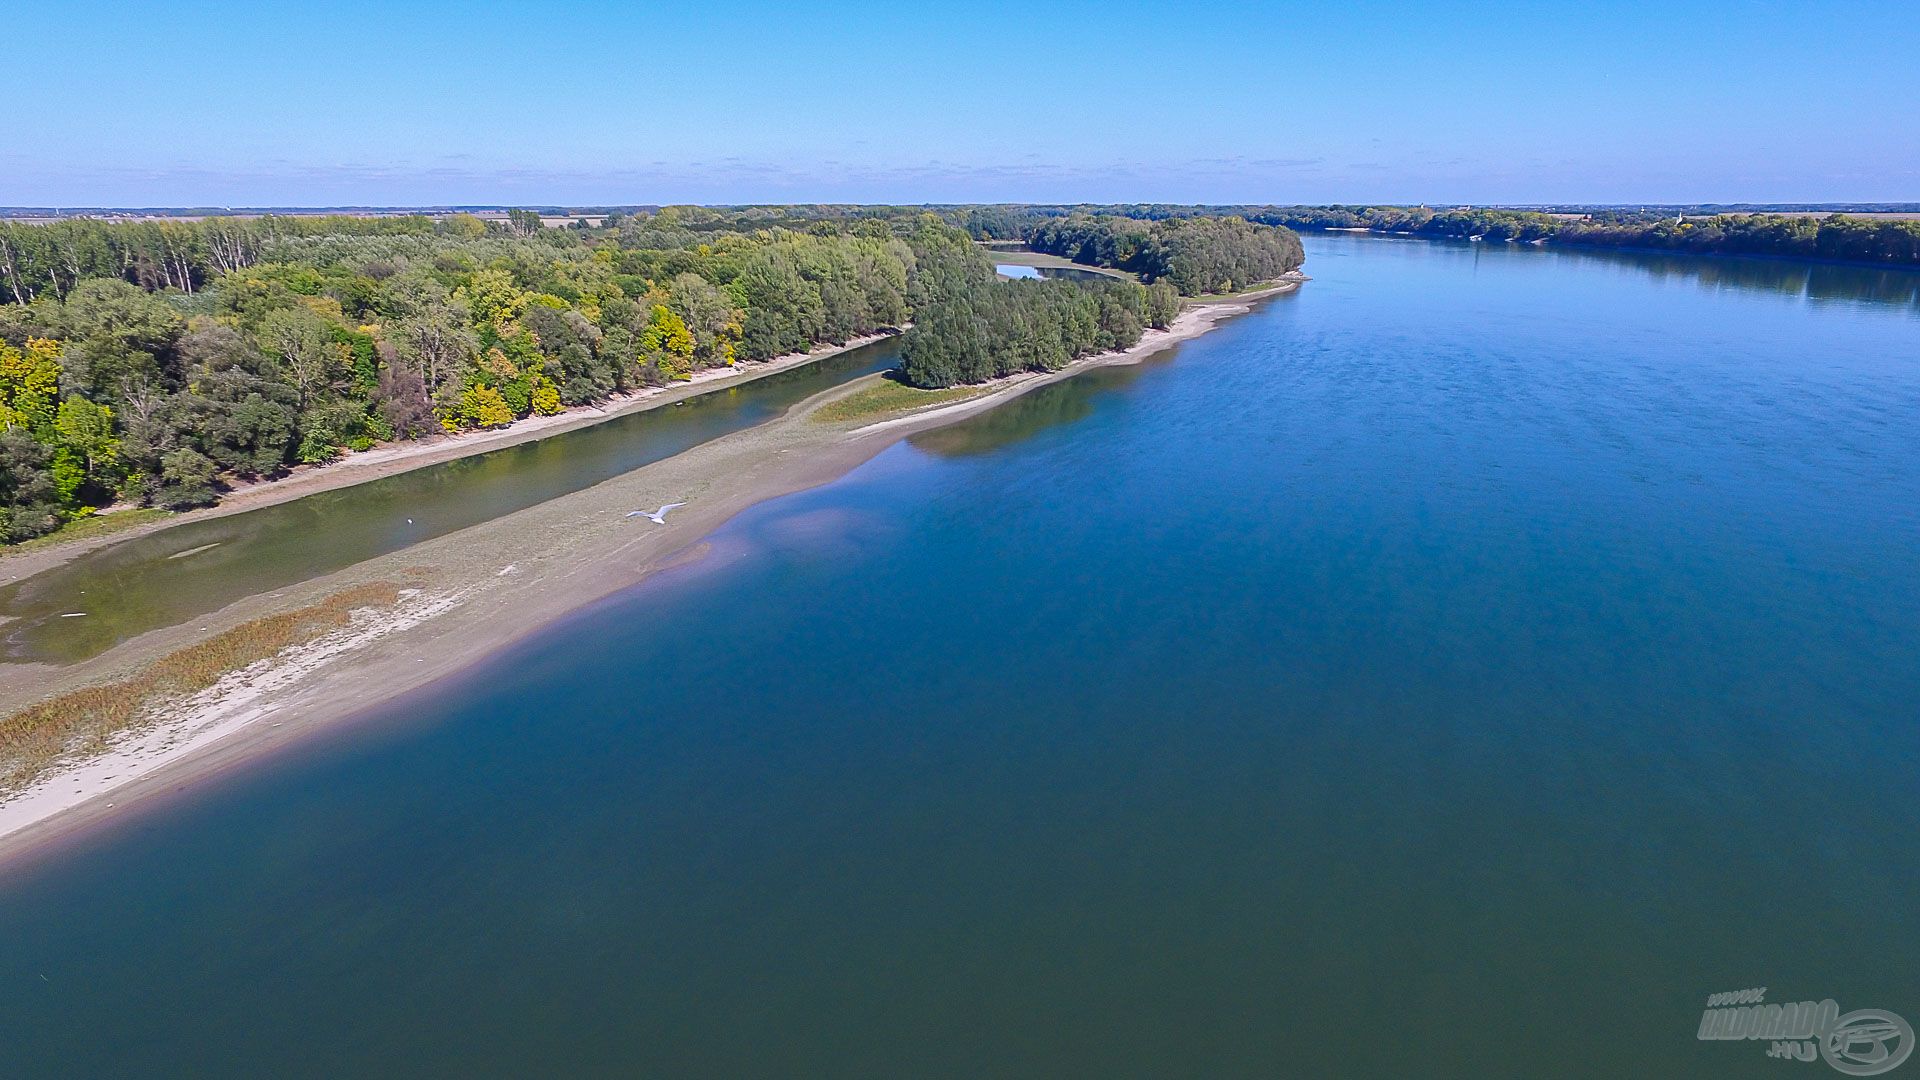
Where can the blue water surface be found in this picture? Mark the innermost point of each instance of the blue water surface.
(1461, 667)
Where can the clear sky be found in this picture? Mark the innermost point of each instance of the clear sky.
(140, 104)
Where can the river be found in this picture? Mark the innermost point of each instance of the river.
(1462, 666)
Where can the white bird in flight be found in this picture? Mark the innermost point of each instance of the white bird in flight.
(658, 517)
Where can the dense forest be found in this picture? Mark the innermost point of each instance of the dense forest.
(977, 328)
(160, 361)
(1195, 254)
(1006, 327)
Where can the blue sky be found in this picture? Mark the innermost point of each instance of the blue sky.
(579, 103)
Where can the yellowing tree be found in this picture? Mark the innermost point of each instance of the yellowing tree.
(546, 396)
(483, 407)
(495, 362)
(464, 225)
(30, 386)
(667, 343)
(493, 297)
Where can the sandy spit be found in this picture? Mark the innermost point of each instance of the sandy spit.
(479, 590)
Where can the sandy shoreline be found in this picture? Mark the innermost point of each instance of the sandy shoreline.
(479, 590)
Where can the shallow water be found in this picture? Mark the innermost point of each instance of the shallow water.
(190, 569)
(1462, 666)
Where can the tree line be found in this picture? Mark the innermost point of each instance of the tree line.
(1006, 327)
(976, 327)
(159, 362)
(1880, 241)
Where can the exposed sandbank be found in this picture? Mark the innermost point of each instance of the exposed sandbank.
(480, 589)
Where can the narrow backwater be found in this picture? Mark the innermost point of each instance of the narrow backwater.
(1019, 272)
(1461, 667)
(191, 569)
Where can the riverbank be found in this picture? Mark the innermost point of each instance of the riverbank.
(391, 459)
(472, 593)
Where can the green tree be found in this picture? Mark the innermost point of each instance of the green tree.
(309, 358)
(118, 337)
(186, 479)
(84, 430)
(29, 500)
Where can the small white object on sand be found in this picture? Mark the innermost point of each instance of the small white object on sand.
(73, 614)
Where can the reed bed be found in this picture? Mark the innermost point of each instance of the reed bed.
(86, 720)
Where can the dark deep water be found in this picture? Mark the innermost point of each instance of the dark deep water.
(1461, 667)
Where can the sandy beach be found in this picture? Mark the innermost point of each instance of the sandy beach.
(470, 593)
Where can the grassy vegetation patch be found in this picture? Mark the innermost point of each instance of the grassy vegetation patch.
(85, 719)
(889, 397)
(1221, 298)
(87, 528)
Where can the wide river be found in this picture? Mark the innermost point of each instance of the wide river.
(1461, 667)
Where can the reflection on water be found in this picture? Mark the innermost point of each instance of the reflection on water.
(1821, 283)
(1818, 282)
(1016, 271)
(1072, 273)
(1054, 405)
(194, 568)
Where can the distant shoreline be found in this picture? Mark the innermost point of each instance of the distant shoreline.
(480, 590)
(1672, 253)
